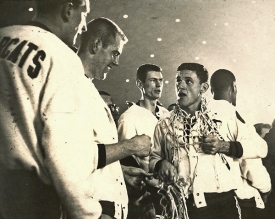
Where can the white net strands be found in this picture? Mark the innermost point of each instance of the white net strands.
(187, 131)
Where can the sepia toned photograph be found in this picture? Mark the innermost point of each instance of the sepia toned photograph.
(137, 109)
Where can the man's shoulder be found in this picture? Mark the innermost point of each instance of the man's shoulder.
(163, 110)
(35, 38)
(221, 107)
(133, 111)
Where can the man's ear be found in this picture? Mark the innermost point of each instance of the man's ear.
(139, 84)
(94, 45)
(66, 11)
(204, 87)
(234, 86)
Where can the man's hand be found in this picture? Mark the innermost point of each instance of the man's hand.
(136, 177)
(141, 145)
(212, 145)
(167, 172)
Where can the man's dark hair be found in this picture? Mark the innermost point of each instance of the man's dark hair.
(102, 28)
(49, 6)
(221, 80)
(200, 70)
(144, 69)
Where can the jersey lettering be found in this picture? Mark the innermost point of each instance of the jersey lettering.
(5, 53)
(14, 54)
(33, 72)
(3, 43)
(26, 54)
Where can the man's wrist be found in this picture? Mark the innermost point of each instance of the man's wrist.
(224, 147)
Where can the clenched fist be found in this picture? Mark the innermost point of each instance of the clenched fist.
(141, 145)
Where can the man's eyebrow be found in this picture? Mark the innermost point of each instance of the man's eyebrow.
(155, 78)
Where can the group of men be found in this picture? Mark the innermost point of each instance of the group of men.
(62, 155)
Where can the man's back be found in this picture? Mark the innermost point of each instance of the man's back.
(41, 82)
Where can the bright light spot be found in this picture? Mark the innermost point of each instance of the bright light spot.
(203, 42)
(215, 24)
(152, 55)
(253, 2)
(197, 58)
(177, 20)
(159, 39)
(30, 9)
(226, 24)
(127, 80)
(166, 82)
(234, 60)
(125, 16)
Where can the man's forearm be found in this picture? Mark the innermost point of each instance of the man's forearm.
(118, 151)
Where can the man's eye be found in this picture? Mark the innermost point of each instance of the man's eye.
(178, 80)
(189, 82)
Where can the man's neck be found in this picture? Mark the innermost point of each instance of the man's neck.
(148, 104)
(222, 97)
(54, 26)
(86, 62)
(190, 109)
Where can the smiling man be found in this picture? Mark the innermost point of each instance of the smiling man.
(100, 48)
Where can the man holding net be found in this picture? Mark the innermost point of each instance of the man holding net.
(194, 150)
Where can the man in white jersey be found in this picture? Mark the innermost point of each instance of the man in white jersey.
(141, 118)
(256, 182)
(48, 153)
(100, 49)
(195, 150)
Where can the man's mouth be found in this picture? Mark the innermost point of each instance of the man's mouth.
(182, 94)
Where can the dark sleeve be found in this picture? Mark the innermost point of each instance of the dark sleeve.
(129, 161)
(101, 156)
(235, 149)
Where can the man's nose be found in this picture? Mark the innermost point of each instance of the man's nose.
(159, 83)
(182, 85)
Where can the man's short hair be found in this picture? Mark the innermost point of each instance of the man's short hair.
(48, 6)
(221, 80)
(104, 29)
(200, 70)
(144, 69)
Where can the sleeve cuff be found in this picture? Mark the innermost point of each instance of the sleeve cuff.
(235, 149)
(101, 156)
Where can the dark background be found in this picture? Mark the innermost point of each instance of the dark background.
(233, 34)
